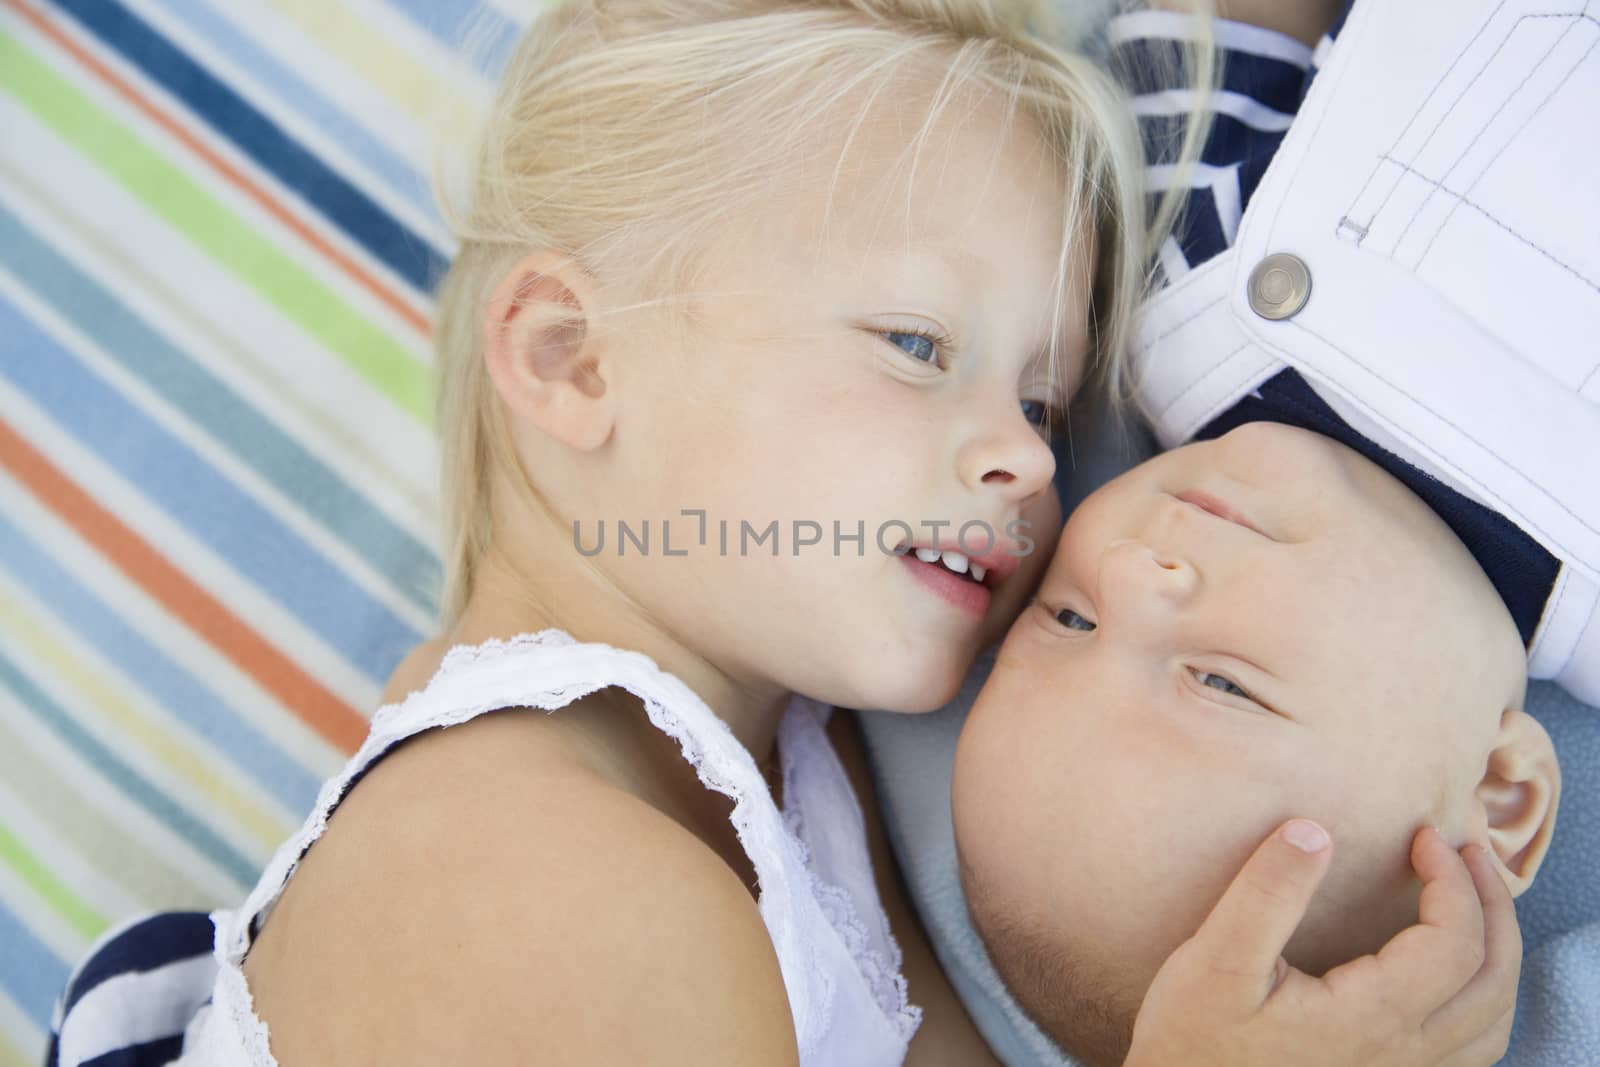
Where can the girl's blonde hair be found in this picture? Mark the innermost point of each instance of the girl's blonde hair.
(623, 131)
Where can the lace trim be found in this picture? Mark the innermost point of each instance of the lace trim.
(812, 1014)
(250, 1028)
(718, 759)
(465, 655)
(882, 972)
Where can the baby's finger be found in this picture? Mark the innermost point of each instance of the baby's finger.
(1502, 936)
(1245, 933)
(1486, 1049)
(1492, 992)
(1427, 964)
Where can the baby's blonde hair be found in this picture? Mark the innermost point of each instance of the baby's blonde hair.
(624, 131)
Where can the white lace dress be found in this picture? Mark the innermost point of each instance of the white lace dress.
(840, 964)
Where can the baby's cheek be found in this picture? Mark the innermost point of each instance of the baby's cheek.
(1377, 778)
(1040, 526)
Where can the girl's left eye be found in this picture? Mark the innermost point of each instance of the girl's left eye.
(1222, 684)
(1042, 416)
(919, 346)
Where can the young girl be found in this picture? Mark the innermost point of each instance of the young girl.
(790, 289)
(724, 264)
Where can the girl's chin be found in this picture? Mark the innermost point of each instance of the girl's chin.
(935, 686)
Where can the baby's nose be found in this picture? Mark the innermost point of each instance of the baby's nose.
(1144, 577)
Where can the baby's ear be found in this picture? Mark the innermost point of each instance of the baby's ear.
(541, 351)
(1519, 791)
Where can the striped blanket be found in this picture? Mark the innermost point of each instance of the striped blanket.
(217, 496)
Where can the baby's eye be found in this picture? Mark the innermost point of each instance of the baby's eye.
(1036, 412)
(1218, 682)
(919, 346)
(1073, 621)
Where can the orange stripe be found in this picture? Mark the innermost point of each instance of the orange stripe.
(232, 174)
(310, 701)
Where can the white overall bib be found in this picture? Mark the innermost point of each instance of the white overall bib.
(1441, 189)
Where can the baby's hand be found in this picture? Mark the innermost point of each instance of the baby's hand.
(1441, 992)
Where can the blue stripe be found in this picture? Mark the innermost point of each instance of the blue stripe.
(159, 941)
(198, 835)
(174, 689)
(1199, 228)
(1150, 64)
(351, 136)
(30, 972)
(1251, 171)
(253, 541)
(252, 438)
(1228, 140)
(466, 25)
(228, 114)
(161, 1051)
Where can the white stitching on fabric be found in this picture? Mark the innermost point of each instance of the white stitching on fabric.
(1198, 382)
(1512, 139)
(1348, 225)
(1445, 462)
(1229, 397)
(1182, 323)
(1480, 209)
(1488, 122)
(1462, 95)
(1401, 136)
(1192, 278)
(1581, 640)
(1322, 80)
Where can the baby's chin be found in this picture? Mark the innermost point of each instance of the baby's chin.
(1085, 993)
(1105, 924)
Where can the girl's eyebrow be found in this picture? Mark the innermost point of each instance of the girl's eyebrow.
(962, 260)
(956, 264)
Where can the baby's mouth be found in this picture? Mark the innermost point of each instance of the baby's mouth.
(1220, 508)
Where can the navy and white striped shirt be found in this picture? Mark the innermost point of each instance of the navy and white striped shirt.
(1264, 78)
(130, 1000)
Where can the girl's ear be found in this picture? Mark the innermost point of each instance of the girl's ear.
(1519, 792)
(543, 354)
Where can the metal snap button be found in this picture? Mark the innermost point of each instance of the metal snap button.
(1279, 286)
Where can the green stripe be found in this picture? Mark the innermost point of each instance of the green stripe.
(110, 848)
(208, 224)
(63, 901)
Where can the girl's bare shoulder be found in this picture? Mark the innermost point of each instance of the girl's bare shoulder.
(415, 670)
(484, 893)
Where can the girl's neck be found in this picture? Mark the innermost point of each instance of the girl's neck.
(545, 585)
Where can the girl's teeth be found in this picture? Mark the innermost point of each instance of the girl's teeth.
(953, 561)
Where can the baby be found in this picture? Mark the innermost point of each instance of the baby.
(1244, 629)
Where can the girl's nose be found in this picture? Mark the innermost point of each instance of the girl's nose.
(1010, 459)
